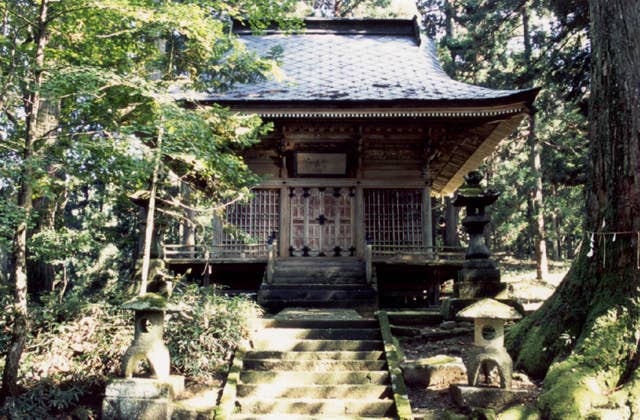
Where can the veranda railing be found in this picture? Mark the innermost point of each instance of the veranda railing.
(431, 252)
(220, 251)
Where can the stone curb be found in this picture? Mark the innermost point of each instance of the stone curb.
(226, 406)
(394, 357)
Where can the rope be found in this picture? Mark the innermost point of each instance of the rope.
(602, 237)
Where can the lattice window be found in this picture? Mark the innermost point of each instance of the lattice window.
(255, 221)
(393, 220)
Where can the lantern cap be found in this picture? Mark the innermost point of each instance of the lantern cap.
(489, 309)
(151, 302)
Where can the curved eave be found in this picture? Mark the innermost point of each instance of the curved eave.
(519, 101)
(488, 146)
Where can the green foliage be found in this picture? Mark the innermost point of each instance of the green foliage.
(205, 335)
(103, 80)
(108, 68)
(345, 8)
(75, 346)
(72, 350)
(483, 43)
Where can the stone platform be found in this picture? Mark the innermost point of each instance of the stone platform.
(141, 398)
(485, 397)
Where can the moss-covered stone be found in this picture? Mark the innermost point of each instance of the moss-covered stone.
(482, 414)
(147, 302)
(440, 359)
(520, 412)
(452, 415)
(394, 358)
(152, 302)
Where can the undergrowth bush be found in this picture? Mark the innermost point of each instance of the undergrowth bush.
(204, 336)
(76, 346)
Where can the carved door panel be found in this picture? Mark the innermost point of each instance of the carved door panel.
(322, 222)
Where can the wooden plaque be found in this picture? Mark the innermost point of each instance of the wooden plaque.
(321, 164)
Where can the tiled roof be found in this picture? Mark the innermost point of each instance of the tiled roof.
(363, 62)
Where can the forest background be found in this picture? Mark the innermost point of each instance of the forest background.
(84, 120)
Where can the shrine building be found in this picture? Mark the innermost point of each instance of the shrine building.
(367, 129)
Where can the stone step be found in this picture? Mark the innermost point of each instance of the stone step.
(314, 391)
(297, 283)
(301, 280)
(357, 407)
(316, 355)
(309, 296)
(415, 317)
(282, 416)
(314, 272)
(319, 334)
(340, 275)
(320, 323)
(318, 260)
(320, 271)
(320, 267)
(314, 378)
(317, 345)
(313, 365)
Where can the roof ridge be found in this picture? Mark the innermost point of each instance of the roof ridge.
(341, 26)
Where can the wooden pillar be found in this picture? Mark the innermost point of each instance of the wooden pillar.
(450, 224)
(359, 216)
(285, 222)
(359, 222)
(427, 222)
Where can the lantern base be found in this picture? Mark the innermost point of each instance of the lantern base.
(141, 398)
(485, 397)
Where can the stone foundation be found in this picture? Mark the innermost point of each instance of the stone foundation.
(436, 370)
(141, 398)
(485, 397)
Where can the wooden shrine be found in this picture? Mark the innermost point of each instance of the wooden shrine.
(367, 129)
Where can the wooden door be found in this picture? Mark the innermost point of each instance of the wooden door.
(322, 222)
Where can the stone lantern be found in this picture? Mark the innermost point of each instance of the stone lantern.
(479, 276)
(148, 342)
(488, 352)
(145, 397)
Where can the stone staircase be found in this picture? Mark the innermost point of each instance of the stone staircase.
(314, 369)
(318, 282)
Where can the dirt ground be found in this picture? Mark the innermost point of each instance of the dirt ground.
(430, 402)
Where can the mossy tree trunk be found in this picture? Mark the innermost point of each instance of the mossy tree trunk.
(584, 339)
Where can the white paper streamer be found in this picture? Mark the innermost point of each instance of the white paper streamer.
(591, 246)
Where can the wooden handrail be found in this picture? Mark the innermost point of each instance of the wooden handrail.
(368, 263)
(271, 260)
(179, 251)
(430, 252)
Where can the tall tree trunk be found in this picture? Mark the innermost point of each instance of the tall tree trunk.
(449, 15)
(590, 327)
(188, 228)
(537, 216)
(41, 274)
(25, 202)
(556, 227)
(151, 211)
